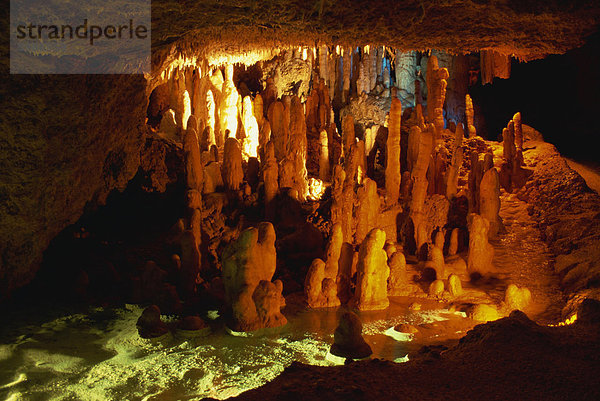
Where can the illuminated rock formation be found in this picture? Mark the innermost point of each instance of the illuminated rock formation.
(348, 137)
(149, 324)
(279, 128)
(412, 153)
(392, 161)
(249, 263)
(187, 110)
(323, 156)
(347, 338)
(193, 160)
(229, 105)
(453, 246)
(398, 277)
(337, 188)
(454, 285)
(493, 64)
(372, 273)
(297, 147)
(437, 171)
(231, 169)
(469, 113)
(436, 288)
(419, 175)
(454, 168)
(489, 201)
(436, 93)
(481, 253)
(348, 200)
(367, 211)
(436, 262)
(211, 119)
(168, 126)
(512, 174)
(334, 251)
(320, 291)
(270, 175)
(212, 178)
(517, 298)
(250, 141)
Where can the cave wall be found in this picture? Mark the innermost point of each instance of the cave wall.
(66, 141)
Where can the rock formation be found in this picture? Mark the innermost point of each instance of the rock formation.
(279, 128)
(323, 156)
(372, 273)
(149, 324)
(229, 105)
(481, 253)
(469, 114)
(193, 160)
(320, 291)
(398, 276)
(248, 266)
(231, 169)
(454, 285)
(436, 94)
(250, 142)
(489, 201)
(367, 211)
(392, 161)
(270, 175)
(347, 338)
(517, 298)
(297, 147)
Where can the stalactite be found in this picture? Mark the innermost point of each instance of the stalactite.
(324, 62)
(392, 165)
(493, 64)
(372, 60)
(347, 69)
(457, 159)
(232, 172)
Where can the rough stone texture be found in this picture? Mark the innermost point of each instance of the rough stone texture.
(347, 338)
(392, 161)
(367, 211)
(320, 291)
(517, 298)
(454, 285)
(494, 64)
(372, 273)
(489, 201)
(481, 252)
(149, 324)
(248, 266)
(231, 169)
(398, 276)
(436, 93)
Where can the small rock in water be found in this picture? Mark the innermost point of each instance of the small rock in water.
(149, 324)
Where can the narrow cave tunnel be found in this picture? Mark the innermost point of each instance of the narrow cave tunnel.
(283, 209)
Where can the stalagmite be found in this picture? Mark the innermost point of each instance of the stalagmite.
(469, 113)
(187, 110)
(454, 285)
(248, 266)
(279, 129)
(250, 141)
(258, 110)
(270, 175)
(481, 252)
(347, 338)
(339, 177)
(517, 298)
(392, 162)
(231, 169)
(372, 273)
(323, 156)
(193, 160)
(211, 118)
(333, 252)
(436, 288)
(452, 173)
(453, 246)
(297, 147)
(370, 135)
(367, 211)
(419, 174)
(320, 291)
(190, 262)
(436, 93)
(489, 201)
(348, 137)
(413, 147)
(229, 104)
(398, 275)
(512, 173)
(518, 133)
(347, 215)
(168, 126)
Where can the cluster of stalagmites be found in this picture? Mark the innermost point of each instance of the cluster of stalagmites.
(434, 195)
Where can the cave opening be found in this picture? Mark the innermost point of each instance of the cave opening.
(339, 209)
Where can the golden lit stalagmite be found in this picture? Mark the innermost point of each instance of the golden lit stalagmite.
(231, 169)
(323, 156)
(436, 93)
(297, 147)
(398, 279)
(279, 128)
(248, 266)
(392, 161)
(229, 105)
(457, 159)
(419, 175)
(372, 273)
(367, 211)
(481, 253)
(469, 113)
(250, 141)
(320, 291)
(489, 201)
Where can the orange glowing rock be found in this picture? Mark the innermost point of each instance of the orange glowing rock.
(489, 201)
(279, 128)
(517, 298)
(436, 288)
(270, 174)
(367, 211)
(453, 245)
(320, 291)
(231, 169)
(484, 313)
(372, 273)
(436, 91)
(248, 267)
(469, 113)
(392, 161)
(481, 253)
(193, 160)
(398, 276)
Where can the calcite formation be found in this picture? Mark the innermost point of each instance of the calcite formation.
(489, 201)
(250, 142)
(494, 64)
(436, 93)
(469, 115)
(392, 161)
(372, 273)
(398, 276)
(347, 338)
(229, 105)
(279, 128)
(270, 175)
(249, 263)
(517, 298)
(231, 169)
(367, 211)
(320, 291)
(481, 252)
(193, 160)
(323, 156)
(512, 173)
